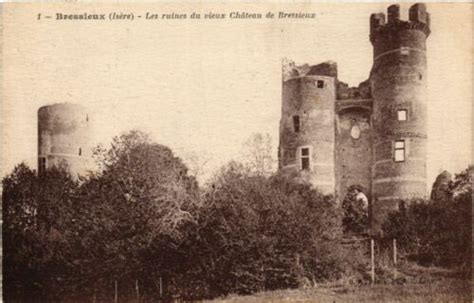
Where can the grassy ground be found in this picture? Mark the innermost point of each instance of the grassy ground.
(425, 285)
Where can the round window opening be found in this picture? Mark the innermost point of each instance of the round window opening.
(355, 132)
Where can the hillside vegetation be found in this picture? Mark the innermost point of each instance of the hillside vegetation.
(141, 229)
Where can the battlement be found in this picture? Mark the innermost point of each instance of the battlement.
(418, 19)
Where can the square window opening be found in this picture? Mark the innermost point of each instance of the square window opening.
(320, 83)
(305, 159)
(399, 153)
(402, 115)
(400, 144)
(305, 163)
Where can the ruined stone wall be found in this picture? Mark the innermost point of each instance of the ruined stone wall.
(398, 81)
(353, 151)
(64, 137)
(313, 102)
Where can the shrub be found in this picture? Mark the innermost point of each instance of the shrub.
(436, 231)
(257, 233)
(355, 212)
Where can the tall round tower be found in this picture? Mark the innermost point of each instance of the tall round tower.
(64, 138)
(307, 127)
(398, 80)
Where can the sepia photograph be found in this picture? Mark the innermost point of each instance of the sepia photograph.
(236, 152)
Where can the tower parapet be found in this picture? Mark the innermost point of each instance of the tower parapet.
(380, 30)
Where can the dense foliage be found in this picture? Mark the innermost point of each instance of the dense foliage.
(36, 240)
(141, 228)
(141, 224)
(120, 225)
(355, 218)
(437, 231)
(255, 233)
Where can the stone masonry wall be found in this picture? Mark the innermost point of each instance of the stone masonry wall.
(64, 137)
(315, 108)
(398, 80)
(353, 151)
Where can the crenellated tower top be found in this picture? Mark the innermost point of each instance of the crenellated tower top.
(389, 30)
(419, 19)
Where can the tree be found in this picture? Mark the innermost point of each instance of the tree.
(37, 212)
(197, 163)
(135, 210)
(68, 239)
(355, 211)
(256, 233)
(257, 151)
(437, 231)
(461, 187)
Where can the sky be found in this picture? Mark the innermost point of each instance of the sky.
(205, 86)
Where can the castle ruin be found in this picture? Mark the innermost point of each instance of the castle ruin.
(372, 136)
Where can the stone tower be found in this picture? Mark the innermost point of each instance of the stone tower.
(370, 138)
(307, 134)
(64, 138)
(398, 80)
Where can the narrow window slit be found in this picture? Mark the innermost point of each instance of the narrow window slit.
(296, 123)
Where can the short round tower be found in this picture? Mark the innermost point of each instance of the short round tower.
(398, 80)
(64, 138)
(307, 127)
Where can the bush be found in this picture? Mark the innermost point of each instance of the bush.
(257, 233)
(143, 219)
(66, 238)
(355, 212)
(436, 232)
